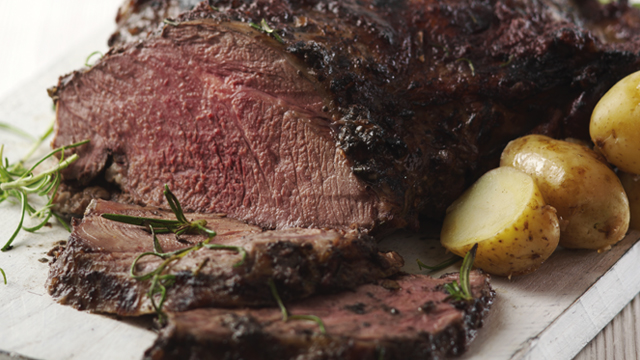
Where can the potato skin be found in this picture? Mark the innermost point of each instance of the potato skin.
(615, 124)
(631, 184)
(517, 249)
(591, 202)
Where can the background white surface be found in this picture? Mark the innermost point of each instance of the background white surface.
(34, 34)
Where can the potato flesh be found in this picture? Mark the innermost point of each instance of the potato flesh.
(591, 203)
(615, 124)
(505, 213)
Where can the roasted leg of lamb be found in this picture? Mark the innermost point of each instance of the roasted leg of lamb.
(335, 113)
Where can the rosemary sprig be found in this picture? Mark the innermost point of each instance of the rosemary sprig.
(179, 226)
(462, 290)
(285, 313)
(159, 280)
(443, 265)
(264, 27)
(4, 276)
(18, 182)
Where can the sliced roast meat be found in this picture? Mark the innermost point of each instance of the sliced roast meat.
(353, 112)
(93, 271)
(415, 319)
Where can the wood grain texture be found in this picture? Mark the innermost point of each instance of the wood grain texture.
(618, 340)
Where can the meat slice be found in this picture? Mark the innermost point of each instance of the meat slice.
(413, 320)
(360, 113)
(93, 272)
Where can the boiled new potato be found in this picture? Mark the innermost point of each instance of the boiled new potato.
(505, 213)
(592, 206)
(615, 124)
(631, 184)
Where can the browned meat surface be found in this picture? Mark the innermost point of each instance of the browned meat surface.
(138, 18)
(416, 321)
(367, 113)
(92, 273)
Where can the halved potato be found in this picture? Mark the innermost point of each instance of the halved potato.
(505, 213)
(615, 124)
(592, 206)
(631, 184)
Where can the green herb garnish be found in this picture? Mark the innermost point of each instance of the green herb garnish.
(264, 27)
(86, 62)
(18, 182)
(285, 313)
(473, 70)
(17, 131)
(440, 266)
(170, 22)
(462, 290)
(159, 281)
(179, 226)
(506, 63)
(4, 276)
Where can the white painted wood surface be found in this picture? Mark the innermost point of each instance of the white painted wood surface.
(551, 314)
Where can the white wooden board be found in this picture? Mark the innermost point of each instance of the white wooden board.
(550, 314)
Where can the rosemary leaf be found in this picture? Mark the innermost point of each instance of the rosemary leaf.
(4, 276)
(86, 62)
(170, 22)
(17, 131)
(313, 318)
(264, 27)
(62, 222)
(506, 63)
(156, 243)
(465, 270)
(149, 275)
(440, 266)
(276, 296)
(462, 290)
(141, 221)
(238, 249)
(285, 313)
(23, 209)
(473, 70)
(175, 205)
